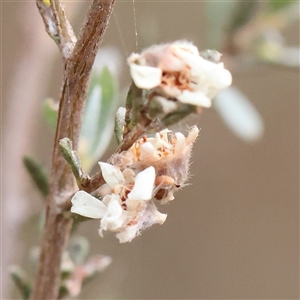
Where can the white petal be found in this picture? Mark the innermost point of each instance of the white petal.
(143, 186)
(145, 77)
(194, 98)
(159, 218)
(221, 78)
(166, 105)
(148, 152)
(186, 56)
(161, 139)
(151, 216)
(88, 206)
(192, 135)
(112, 175)
(180, 142)
(128, 234)
(113, 219)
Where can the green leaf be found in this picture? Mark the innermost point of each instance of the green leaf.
(37, 174)
(98, 121)
(276, 5)
(242, 14)
(178, 115)
(119, 124)
(66, 147)
(50, 111)
(21, 281)
(134, 104)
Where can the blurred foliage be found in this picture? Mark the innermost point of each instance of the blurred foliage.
(249, 31)
(21, 281)
(239, 114)
(37, 174)
(277, 5)
(50, 111)
(98, 121)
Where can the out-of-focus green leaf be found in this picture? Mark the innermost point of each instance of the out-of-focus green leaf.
(217, 17)
(98, 121)
(50, 110)
(37, 174)
(239, 114)
(277, 4)
(20, 279)
(241, 15)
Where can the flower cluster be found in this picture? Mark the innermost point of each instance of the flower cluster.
(153, 168)
(177, 71)
(175, 76)
(128, 209)
(168, 152)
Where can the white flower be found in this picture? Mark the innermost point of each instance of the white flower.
(178, 71)
(168, 153)
(128, 209)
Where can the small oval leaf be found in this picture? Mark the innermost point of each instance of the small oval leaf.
(239, 114)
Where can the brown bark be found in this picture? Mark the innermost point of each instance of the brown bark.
(78, 67)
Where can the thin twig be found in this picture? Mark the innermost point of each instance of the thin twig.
(57, 25)
(62, 183)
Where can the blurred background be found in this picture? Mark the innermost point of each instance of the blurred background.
(234, 232)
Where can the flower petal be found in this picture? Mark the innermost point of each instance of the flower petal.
(220, 77)
(88, 206)
(180, 142)
(143, 186)
(145, 77)
(194, 98)
(159, 218)
(113, 219)
(128, 234)
(112, 175)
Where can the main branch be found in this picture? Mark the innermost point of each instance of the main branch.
(78, 65)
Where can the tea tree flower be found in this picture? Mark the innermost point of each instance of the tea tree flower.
(128, 209)
(177, 71)
(168, 152)
(152, 169)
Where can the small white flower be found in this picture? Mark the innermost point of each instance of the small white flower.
(178, 71)
(168, 153)
(128, 209)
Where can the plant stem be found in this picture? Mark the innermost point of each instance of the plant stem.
(78, 65)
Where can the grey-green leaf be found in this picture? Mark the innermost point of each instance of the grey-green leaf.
(279, 4)
(21, 281)
(239, 114)
(37, 174)
(98, 121)
(50, 111)
(66, 147)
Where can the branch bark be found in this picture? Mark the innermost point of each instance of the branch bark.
(78, 61)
